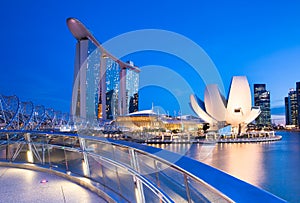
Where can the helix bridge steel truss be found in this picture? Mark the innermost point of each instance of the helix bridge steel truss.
(19, 115)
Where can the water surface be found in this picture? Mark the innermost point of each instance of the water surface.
(273, 166)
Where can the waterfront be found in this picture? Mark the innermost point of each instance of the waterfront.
(273, 166)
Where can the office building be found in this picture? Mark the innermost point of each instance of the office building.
(262, 99)
(287, 111)
(298, 101)
(291, 104)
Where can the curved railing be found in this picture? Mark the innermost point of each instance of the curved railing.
(125, 171)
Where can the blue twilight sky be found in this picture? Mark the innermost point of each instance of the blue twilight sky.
(259, 39)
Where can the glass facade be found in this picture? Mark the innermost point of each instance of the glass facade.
(101, 88)
(262, 99)
(287, 111)
(86, 81)
(112, 88)
(92, 81)
(298, 101)
(132, 86)
(293, 107)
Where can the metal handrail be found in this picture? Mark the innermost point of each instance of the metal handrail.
(155, 190)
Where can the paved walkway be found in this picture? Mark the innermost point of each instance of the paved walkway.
(22, 185)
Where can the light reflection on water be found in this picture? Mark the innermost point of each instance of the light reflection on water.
(273, 166)
(243, 161)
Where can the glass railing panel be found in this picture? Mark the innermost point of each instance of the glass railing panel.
(149, 196)
(102, 149)
(96, 169)
(75, 162)
(3, 144)
(147, 167)
(168, 179)
(38, 138)
(56, 158)
(55, 140)
(38, 153)
(121, 155)
(127, 185)
(72, 142)
(202, 192)
(17, 152)
(171, 182)
(110, 176)
(3, 152)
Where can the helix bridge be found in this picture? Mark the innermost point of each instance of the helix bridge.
(18, 115)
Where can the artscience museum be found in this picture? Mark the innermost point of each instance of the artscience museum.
(235, 111)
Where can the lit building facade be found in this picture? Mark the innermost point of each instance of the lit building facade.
(112, 83)
(287, 112)
(291, 104)
(132, 86)
(298, 101)
(103, 85)
(147, 120)
(86, 80)
(262, 99)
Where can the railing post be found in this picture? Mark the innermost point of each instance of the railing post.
(140, 197)
(187, 188)
(43, 151)
(29, 152)
(86, 166)
(7, 146)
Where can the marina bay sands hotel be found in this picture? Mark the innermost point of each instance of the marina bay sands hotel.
(103, 86)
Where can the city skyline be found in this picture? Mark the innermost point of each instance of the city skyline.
(259, 39)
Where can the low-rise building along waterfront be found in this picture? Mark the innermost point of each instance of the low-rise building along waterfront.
(148, 120)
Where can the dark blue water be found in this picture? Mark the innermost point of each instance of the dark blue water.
(273, 166)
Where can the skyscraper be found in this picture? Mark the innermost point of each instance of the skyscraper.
(134, 103)
(292, 108)
(287, 110)
(262, 99)
(298, 101)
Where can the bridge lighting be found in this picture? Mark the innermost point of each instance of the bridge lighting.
(44, 181)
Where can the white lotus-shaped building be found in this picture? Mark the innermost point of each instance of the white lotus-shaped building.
(236, 111)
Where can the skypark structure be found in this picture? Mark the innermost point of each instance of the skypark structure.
(104, 87)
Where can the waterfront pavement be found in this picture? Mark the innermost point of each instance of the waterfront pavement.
(23, 185)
